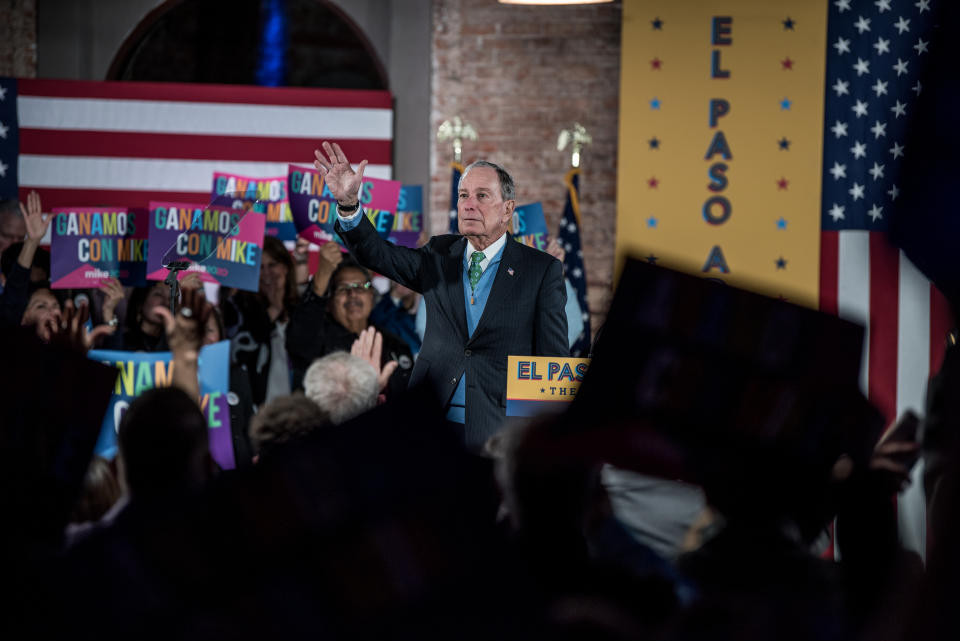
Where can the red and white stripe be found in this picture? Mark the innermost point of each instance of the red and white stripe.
(126, 143)
(865, 279)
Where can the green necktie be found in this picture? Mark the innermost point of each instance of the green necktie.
(474, 272)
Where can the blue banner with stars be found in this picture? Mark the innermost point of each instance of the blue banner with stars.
(9, 138)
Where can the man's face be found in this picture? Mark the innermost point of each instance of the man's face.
(482, 212)
(12, 230)
(41, 308)
(352, 299)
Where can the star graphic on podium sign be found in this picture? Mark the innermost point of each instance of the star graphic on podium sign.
(657, 24)
(784, 144)
(656, 64)
(788, 24)
(652, 221)
(654, 143)
(781, 263)
(785, 104)
(787, 63)
(652, 183)
(782, 183)
(655, 103)
(652, 259)
(782, 223)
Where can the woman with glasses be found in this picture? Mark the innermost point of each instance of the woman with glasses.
(332, 321)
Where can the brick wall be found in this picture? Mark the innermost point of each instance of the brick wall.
(18, 38)
(520, 75)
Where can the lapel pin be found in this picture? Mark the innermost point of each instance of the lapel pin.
(510, 270)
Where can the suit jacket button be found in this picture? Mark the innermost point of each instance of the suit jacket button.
(466, 352)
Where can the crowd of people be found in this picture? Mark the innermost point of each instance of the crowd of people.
(355, 512)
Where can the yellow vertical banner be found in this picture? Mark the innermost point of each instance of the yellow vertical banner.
(721, 140)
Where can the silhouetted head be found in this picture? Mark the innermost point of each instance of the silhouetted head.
(163, 445)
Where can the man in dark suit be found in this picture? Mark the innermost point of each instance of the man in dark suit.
(487, 296)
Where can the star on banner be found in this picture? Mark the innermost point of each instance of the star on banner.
(784, 144)
(782, 183)
(788, 24)
(653, 182)
(787, 63)
(652, 221)
(781, 263)
(656, 64)
(785, 104)
(655, 103)
(652, 259)
(781, 223)
(657, 24)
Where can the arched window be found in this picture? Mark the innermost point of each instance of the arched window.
(295, 43)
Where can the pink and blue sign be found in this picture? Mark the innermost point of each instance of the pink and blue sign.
(91, 244)
(222, 245)
(267, 195)
(314, 208)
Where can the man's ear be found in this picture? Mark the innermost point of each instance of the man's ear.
(508, 210)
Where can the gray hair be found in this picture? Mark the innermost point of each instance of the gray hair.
(343, 385)
(10, 207)
(508, 190)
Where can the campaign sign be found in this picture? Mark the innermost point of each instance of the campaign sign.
(223, 245)
(541, 384)
(140, 371)
(530, 226)
(408, 223)
(269, 196)
(91, 244)
(314, 208)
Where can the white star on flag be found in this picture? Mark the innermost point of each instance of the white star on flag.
(3, 93)
(859, 150)
(902, 25)
(862, 24)
(900, 67)
(880, 87)
(875, 212)
(860, 108)
(882, 5)
(842, 45)
(841, 87)
(876, 171)
(899, 109)
(3, 130)
(842, 5)
(922, 5)
(3, 169)
(879, 129)
(839, 171)
(894, 192)
(836, 212)
(896, 150)
(856, 191)
(839, 129)
(921, 46)
(862, 66)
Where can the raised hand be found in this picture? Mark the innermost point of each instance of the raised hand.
(369, 347)
(33, 217)
(185, 332)
(192, 281)
(330, 257)
(343, 182)
(112, 295)
(72, 333)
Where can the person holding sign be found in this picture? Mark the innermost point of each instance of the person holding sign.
(486, 298)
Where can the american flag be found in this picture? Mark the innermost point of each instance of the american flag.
(457, 171)
(126, 143)
(569, 237)
(876, 52)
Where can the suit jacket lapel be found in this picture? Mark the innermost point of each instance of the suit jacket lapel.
(453, 281)
(504, 284)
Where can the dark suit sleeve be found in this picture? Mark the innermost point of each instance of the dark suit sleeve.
(401, 264)
(550, 333)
